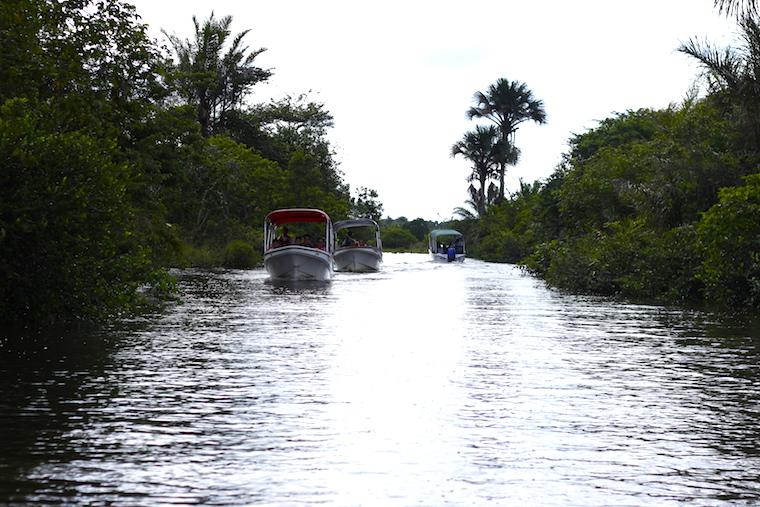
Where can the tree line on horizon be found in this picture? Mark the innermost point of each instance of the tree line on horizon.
(122, 158)
(657, 205)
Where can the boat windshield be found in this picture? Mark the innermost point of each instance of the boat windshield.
(362, 236)
(442, 239)
(302, 227)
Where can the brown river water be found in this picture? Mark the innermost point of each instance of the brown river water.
(425, 384)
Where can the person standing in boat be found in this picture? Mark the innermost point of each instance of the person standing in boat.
(451, 252)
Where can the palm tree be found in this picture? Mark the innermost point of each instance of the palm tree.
(507, 104)
(466, 213)
(484, 148)
(734, 73)
(215, 82)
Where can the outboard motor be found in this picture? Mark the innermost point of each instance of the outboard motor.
(451, 254)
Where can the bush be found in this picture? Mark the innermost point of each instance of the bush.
(240, 255)
(502, 246)
(67, 253)
(628, 259)
(397, 237)
(729, 235)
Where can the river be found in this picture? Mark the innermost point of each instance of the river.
(424, 384)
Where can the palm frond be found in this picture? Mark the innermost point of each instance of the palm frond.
(737, 8)
(720, 64)
(465, 213)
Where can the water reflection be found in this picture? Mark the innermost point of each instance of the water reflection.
(423, 384)
(44, 398)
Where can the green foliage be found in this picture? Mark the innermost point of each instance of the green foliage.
(506, 232)
(395, 236)
(165, 146)
(78, 77)
(649, 204)
(502, 246)
(507, 104)
(627, 259)
(366, 204)
(419, 228)
(67, 252)
(484, 148)
(241, 255)
(663, 165)
(233, 188)
(214, 81)
(729, 234)
(109, 169)
(92, 61)
(733, 77)
(619, 216)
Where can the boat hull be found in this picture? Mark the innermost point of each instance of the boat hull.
(298, 263)
(358, 259)
(442, 257)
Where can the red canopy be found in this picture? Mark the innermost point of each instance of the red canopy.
(286, 216)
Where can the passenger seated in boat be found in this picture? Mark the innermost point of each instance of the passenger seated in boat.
(283, 239)
(321, 243)
(306, 241)
(349, 241)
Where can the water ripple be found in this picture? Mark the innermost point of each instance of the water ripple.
(424, 384)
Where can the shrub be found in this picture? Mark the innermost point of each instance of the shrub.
(397, 237)
(240, 255)
(729, 235)
(502, 246)
(627, 259)
(67, 253)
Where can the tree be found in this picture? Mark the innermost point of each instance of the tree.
(468, 213)
(77, 80)
(418, 227)
(729, 234)
(507, 104)
(231, 188)
(297, 124)
(484, 148)
(734, 74)
(214, 82)
(67, 250)
(366, 204)
(92, 60)
(396, 236)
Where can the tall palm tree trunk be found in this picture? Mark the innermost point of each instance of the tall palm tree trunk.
(502, 172)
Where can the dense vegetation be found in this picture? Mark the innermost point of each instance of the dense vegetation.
(652, 204)
(402, 234)
(120, 159)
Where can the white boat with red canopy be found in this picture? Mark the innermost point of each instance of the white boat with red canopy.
(298, 244)
(358, 247)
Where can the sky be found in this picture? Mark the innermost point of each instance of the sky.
(399, 75)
